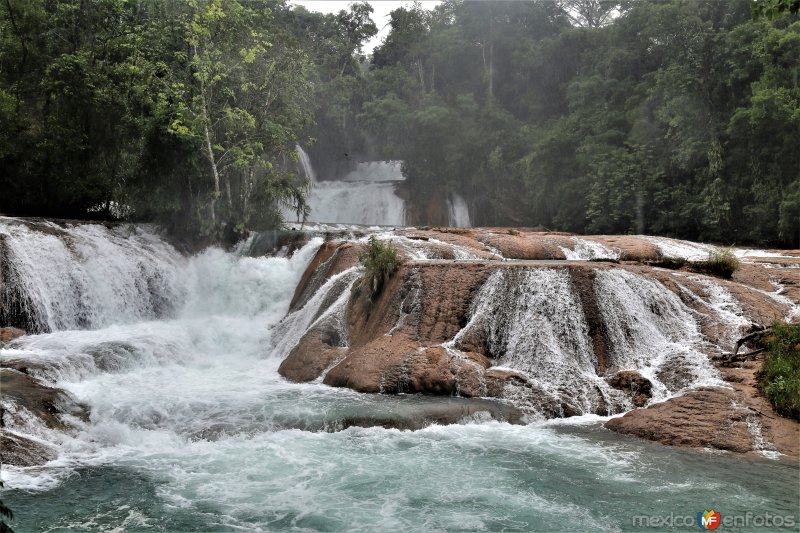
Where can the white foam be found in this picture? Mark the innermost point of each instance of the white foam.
(691, 251)
(587, 250)
(91, 276)
(650, 330)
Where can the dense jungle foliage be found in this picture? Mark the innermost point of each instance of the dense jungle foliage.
(678, 118)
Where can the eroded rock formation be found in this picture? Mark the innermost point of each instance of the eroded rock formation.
(603, 335)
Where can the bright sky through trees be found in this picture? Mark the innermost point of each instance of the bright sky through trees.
(380, 15)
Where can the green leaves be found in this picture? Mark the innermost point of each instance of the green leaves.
(780, 376)
(381, 260)
(772, 9)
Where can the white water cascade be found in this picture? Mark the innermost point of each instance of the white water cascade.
(364, 196)
(305, 163)
(154, 379)
(534, 323)
(458, 212)
(651, 330)
(191, 428)
(84, 276)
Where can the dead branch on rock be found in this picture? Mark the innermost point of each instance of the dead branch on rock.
(752, 337)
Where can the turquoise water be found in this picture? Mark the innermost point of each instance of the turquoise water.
(478, 476)
(192, 429)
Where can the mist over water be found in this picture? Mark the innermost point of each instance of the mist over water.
(192, 428)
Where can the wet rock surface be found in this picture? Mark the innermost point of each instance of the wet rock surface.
(46, 403)
(412, 338)
(634, 384)
(316, 351)
(676, 421)
(736, 419)
(425, 411)
(9, 334)
(24, 396)
(21, 451)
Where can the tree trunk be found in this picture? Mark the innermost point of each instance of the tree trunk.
(230, 197)
(491, 57)
(491, 72)
(214, 170)
(421, 71)
(246, 192)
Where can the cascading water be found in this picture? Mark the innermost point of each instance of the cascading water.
(651, 330)
(192, 428)
(328, 303)
(364, 196)
(691, 251)
(305, 163)
(458, 211)
(534, 323)
(587, 250)
(84, 276)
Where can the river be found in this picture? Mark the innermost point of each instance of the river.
(192, 428)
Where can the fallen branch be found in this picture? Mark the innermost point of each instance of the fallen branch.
(759, 412)
(755, 336)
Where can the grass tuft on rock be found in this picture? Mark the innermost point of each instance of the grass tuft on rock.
(779, 379)
(720, 263)
(381, 259)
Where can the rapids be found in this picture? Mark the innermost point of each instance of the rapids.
(192, 428)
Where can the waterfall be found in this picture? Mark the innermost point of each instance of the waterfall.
(85, 275)
(692, 251)
(364, 196)
(533, 322)
(458, 212)
(649, 329)
(327, 304)
(305, 163)
(586, 250)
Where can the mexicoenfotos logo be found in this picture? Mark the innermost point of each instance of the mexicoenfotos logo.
(708, 519)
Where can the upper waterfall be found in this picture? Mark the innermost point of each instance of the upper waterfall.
(367, 195)
(458, 212)
(364, 196)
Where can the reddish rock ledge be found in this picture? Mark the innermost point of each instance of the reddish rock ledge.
(398, 342)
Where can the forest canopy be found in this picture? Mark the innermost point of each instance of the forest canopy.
(677, 118)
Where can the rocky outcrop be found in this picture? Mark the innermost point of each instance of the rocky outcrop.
(422, 334)
(21, 451)
(46, 403)
(419, 414)
(396, 342)
(676, 421)
(25, 396)
(515, 244)
(317, 351)
(397, 364)
(9, 334)
(332, 258)
(638, 387)
(737, 419)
